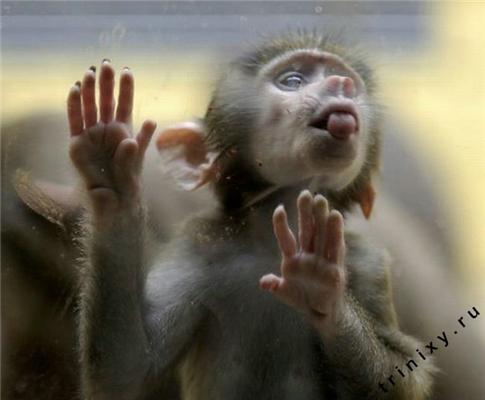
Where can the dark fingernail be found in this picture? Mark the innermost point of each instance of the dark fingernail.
(92, 68)
(126, 68)
(78, 84)
(106, 60)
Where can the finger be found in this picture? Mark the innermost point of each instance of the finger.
(125, 97)
(305, 220)
(320, 213)
(88, 98)
(125, 170)
(143, 138)
(334, 241)
(74, 112)
(106, 88)
(284, 235)
(125, 154)
(270, 282)
(276, 286)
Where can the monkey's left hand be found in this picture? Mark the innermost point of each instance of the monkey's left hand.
(313, 276)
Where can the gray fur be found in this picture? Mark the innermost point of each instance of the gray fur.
(193, 316)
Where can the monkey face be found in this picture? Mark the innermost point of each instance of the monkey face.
(314, 120)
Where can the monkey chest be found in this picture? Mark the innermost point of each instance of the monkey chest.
(253, 347)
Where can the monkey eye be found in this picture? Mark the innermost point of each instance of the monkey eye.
(291, 81)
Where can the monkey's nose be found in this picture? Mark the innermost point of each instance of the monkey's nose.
(340, 85)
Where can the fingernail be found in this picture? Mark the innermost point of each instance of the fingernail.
(106, 60)
(92, 68)
(78, 84)
(126, 68)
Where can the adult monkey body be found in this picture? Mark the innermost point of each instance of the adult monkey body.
(296, 113)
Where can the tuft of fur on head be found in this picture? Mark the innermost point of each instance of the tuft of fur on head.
(232, 112)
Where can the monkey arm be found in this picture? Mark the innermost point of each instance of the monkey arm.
(134, 325)
(347, 298)
(119, 331)
(113, 343)
(370, 355)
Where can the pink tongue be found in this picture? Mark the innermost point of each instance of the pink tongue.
(341, 125)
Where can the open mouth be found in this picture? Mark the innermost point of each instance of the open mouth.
(339, 119)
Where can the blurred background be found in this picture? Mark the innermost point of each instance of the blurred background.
(430, 59)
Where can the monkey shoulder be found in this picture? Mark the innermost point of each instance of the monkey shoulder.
(368, 267)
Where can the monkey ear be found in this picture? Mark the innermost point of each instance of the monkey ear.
(185, 156)
(365, 197)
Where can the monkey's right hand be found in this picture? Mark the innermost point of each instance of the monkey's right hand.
(105, 152)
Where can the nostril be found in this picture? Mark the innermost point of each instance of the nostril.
(333, 84)
(348, 87)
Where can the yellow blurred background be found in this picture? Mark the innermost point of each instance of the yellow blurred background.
(436, 91)
(440, 94)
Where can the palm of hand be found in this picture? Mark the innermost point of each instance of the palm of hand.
(105, 152)
(313, 275)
